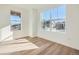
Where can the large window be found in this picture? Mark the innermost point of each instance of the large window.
(15, 20)
(54, 19)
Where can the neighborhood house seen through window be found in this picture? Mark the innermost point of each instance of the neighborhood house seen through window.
(54, 19)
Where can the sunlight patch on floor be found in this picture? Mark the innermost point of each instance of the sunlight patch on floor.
(16, 45)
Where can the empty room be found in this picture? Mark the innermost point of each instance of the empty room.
(39, 29)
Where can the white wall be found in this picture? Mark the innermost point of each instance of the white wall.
(24, 25)
(33, 18)
(31, 25)
(72, 26)
(35, 22)
(4, 21)
(28, 22)
(70, 36)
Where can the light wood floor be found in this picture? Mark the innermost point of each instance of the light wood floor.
(47, 48)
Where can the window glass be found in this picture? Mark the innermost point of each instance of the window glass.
(46, 20)
(15, 21)
(53, 19)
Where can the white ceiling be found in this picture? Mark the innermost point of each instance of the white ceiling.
(39, 7)
(34, 6)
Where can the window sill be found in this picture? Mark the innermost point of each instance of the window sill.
(54, 30)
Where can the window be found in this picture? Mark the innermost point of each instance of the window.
(54, 19)
(15, 20)
(46, 20)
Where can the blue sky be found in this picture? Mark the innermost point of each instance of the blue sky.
(15, 19)
(59, 12)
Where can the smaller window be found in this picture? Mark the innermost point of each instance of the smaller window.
(15, 20)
